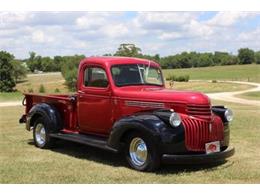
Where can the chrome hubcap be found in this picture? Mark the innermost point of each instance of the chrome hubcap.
(138, 151)
(40, 134)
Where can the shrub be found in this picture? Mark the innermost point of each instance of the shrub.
(7, 81)
(246, 56)
(214, 81)
(257, 57)
(71, 79)
(56, 90)
(170, 77)
(41, 89)
(182, 78)
(30, 90)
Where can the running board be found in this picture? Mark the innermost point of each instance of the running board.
(89, 140)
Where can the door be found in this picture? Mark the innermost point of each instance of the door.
(94, 102)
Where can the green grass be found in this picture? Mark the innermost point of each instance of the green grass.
(50, 82)
(234, 72)
(22, 162)
(237, 72)
(208, 87)
(251, 95)
(14, 96)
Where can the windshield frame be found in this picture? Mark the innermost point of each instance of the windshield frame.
(134, 84)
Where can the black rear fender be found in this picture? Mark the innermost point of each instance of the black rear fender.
(48, 112)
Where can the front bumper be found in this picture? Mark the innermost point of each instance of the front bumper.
(198, 158)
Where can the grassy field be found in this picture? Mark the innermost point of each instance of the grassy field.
(55, 81)
(21, 162)
(15, 96)
(208, 87)
(50, 81)
(234, 72)
(251, 95)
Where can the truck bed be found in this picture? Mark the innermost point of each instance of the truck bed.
(65, 103)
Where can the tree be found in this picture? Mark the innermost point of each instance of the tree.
(129, 50)
(257, 57)
(47, 64)
(245, 56)
(69, 70)
(34, 62)
(206, 59)
(7, 82)
(20, 70)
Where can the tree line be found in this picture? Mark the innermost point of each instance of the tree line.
(182, 60)
(13, 70)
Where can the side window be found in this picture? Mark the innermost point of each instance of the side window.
(95, 77)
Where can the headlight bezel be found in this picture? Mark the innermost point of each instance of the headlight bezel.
(229, 116)
(175, 119)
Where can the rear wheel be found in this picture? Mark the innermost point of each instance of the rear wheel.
(41, 133)
(141, 153)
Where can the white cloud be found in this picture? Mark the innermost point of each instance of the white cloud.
(170, 36)
(39, 36)
(96, 33)
(250, 35)
(229, 18)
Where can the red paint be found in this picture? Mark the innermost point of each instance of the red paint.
(96, 109)
(198, 131)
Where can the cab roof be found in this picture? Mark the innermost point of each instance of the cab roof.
(113, 60)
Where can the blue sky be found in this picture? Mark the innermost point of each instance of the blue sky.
(97, 33)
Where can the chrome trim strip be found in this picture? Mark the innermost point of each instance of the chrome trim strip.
(144, 104)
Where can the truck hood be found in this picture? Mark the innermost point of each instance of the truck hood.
(160, 94)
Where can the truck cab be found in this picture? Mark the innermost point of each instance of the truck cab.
(122, 105)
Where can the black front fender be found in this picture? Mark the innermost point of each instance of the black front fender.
(48, 112)
(166, 137)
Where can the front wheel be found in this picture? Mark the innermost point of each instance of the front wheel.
(41, 134)
(141, 153)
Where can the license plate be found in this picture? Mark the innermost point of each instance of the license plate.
(212, 147)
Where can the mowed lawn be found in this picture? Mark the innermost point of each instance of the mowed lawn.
(233, 72)
(53, 81)
(255, 95)
(50, 81)
(208, 87)
(22, 162)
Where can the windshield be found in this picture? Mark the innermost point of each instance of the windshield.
(136, 74)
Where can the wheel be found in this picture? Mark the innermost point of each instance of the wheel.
(141, 152)
(41, 135)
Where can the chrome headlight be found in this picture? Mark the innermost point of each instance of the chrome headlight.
(175, 119)
(229, 115)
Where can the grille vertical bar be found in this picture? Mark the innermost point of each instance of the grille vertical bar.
(198, 132)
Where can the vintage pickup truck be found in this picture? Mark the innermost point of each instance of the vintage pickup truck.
(121, 104)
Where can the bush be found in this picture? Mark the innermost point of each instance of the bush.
(257, 57)
(69, 70)
(246, 56)
(56, 90)
(41, 89)
(71, 79)
(182, 78)
(7, 82)
(214, 81)
(30, 90)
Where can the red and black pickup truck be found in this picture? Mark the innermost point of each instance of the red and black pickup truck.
(121, 104)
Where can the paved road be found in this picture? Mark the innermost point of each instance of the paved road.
(225, 96)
